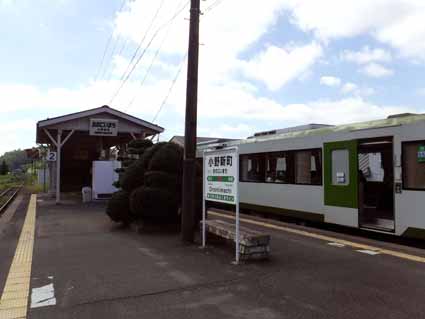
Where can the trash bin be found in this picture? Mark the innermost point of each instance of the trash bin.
(87, 196)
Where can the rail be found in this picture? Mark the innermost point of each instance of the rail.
(7, 196)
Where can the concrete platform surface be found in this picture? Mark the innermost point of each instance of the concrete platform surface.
(99, 270)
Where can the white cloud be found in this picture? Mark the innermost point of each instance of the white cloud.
(330, 81)
(277, 66)
(367, 55)
(376, 70)
(398, 23)
(349, 88)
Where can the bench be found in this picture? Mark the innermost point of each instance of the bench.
(252, 244)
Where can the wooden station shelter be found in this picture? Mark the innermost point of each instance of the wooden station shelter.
(77, 140)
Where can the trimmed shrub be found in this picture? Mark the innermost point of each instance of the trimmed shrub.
(133, 176)
(119, 170)
(116, 184)
(140, 144)
(154, 204)
(150, 152)
(127, 163)
(163, 180)
(118, 208)
(169, 158)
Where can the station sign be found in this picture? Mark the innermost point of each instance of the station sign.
(221, 176)
(103, 127)
(421, 154)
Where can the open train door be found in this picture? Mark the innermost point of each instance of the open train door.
(341, 174)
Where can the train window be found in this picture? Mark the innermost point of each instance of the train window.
(414, 165)
(308, 167)
(252, 168)
(340, 167)
(280, 167)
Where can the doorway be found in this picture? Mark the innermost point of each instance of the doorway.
(376, 184)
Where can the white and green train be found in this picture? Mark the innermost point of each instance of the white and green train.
(367, 175)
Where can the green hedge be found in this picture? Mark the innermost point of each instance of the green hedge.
(118, 208)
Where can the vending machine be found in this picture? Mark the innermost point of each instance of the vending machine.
(104, 176)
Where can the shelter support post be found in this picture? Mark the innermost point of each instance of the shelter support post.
(58, 143)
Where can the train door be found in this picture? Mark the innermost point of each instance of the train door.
(341, 174)
(376, 184)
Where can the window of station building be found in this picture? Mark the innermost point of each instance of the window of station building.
(414, 165)
(280, 167)
(252, 168)
(308, 167)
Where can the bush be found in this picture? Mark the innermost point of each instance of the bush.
(133, 176)
(158, 179)
(140, 144)
(150, 152)
(118, 208)
(169, 158)
(154, 204)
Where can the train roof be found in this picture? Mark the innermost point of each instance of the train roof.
(391, 121)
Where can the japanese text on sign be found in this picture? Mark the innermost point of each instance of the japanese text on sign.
(221, 176)
(103, 127)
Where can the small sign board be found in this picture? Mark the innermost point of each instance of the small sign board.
(103, 127)
(421, 154)
(51, 156)
(221, 170)
(221, 181)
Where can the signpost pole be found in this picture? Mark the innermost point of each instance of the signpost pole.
(203, 202)
(237, 208)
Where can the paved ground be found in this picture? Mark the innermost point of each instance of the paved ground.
(101, 271)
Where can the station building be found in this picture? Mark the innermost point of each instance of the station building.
(80, 147)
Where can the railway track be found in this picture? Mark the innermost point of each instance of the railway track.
(7, 196)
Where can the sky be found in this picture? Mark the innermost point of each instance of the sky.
(263, 64)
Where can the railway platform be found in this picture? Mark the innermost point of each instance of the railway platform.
(83, 266)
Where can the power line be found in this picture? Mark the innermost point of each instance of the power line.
(154, 58)
(213, 5)
(108, 43)
(170, 89)
(123, 81)
(151, 65)
(143, 39)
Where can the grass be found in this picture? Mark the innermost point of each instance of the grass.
(10, 180)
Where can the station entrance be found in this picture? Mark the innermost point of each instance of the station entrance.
(86, 146)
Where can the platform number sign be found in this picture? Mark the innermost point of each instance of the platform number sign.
(51, 156)
(221, 182)
(421, 154)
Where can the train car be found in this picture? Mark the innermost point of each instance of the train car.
(368, 175)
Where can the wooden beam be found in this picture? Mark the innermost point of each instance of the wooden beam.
(51, 137)
(58, 167)
(67, 137)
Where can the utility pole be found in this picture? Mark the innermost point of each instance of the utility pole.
(189, 161)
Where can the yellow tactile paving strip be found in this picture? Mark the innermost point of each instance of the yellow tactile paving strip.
(327, 238)
(14, 300)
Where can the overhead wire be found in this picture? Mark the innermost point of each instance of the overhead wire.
(108, 43)
(145, 34)
(173, 83)
(123, 81)
(154, 58)
(212, 6)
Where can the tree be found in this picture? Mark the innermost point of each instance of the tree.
(15, 159)
(4, 168)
